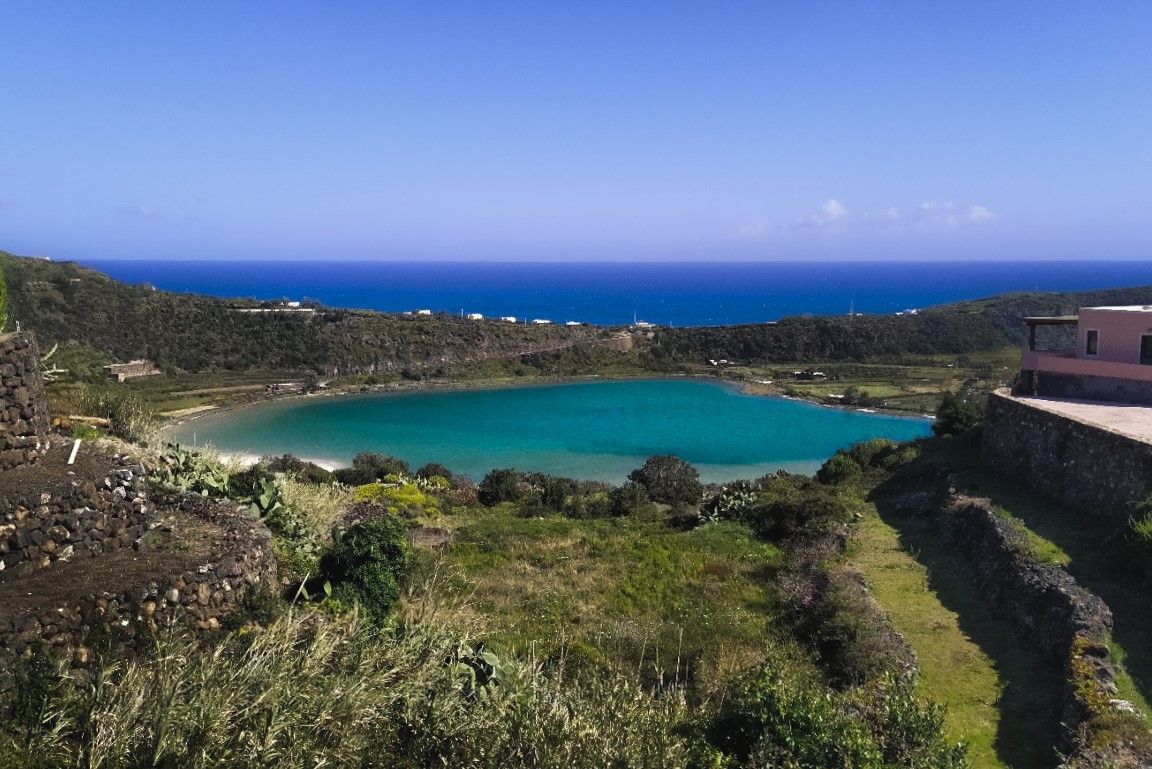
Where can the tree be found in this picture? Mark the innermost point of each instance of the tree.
(628, 498)
(669, 479)
(957, 414)
(368, 467)
(501, 485)
(433, 470)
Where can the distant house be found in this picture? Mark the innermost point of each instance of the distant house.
(475, 316)
(508, 318)
(120, 372)
(1111, 358)
(421, 312)
(542, 322)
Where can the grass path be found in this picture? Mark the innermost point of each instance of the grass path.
(998, 696)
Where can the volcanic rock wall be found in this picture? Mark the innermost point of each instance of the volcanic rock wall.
(23, 413)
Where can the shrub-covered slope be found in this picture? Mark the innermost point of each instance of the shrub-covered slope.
(63, 302)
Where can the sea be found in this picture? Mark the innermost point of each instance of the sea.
(618, 293)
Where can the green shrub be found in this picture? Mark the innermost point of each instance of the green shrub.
(809, 513)
(368, 466)
(782, 719)
(188, 470)
(434, 470)
(501, 485)
(669, 479)
(367, 562)
(627, 499)
(306, 472)
(1140, 532)
(958, 413)
(406, 499)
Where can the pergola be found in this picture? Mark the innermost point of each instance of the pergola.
(1059, 320)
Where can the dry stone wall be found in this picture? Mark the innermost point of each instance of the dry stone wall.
(1089, 467)
(1066, 621)
(23, 414)
(177, 590)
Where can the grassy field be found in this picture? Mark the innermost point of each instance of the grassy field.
(1001, 698)
(1093, 555)
(912, 384)
(686, 604)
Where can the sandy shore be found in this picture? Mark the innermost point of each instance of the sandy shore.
(247, 460)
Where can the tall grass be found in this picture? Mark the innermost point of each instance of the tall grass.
(319, 691)
(129, 416)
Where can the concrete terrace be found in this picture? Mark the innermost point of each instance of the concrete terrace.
(1130, 420)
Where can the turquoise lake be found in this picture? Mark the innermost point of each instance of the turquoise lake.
(593, 430)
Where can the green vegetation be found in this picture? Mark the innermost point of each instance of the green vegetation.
(313, 689)
(668, 479)
(366, 563)
(533, 620)
(129, 417)
(958, 413)
(527, 633)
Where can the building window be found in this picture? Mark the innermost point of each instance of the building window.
(1092, 342)
(1146, 349)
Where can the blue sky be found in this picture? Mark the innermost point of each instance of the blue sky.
(596, 130)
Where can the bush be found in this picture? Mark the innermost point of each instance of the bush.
(368, 466)
(669, 479)
(306, 472)
(502, 485)
(958, 413)
(434, 470)
(366, 564)
(809, 513)
(869, 461)
(781, 719)
(627, 499)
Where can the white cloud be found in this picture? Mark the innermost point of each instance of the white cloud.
(832, 211)
(751, 229)
(979, 214)
(835, 216)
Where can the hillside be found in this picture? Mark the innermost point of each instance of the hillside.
(64, 302)
(954, 329)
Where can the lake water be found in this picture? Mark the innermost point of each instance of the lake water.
(592, 430)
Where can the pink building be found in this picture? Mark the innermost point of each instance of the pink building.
(1112, 359)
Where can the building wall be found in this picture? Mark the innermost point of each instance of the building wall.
(1120, 332)
(1096, 469)
(23, 411)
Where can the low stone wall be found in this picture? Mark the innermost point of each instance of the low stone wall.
(1044, 599)
(73, 520)
(1090, 467)
(23, 415)
(1061, 617)
(192, 593)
